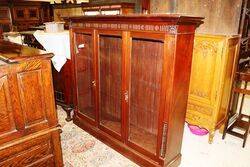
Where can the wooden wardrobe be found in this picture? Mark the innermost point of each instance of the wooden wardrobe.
(131, 79)
(214, 60)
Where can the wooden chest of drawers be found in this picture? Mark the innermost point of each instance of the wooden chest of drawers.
(29, 130)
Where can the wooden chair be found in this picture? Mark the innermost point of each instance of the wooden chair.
(239, 121)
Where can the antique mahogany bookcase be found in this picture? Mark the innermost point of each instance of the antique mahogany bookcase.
(131, 80)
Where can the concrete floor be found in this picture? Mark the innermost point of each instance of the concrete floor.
(196, 152)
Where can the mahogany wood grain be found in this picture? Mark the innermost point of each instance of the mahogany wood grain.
(142, 66)
(180, 86)
(145, 92)
(110, 80)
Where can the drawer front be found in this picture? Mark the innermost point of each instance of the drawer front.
(194, 106)
(34, 150)
(196, 118)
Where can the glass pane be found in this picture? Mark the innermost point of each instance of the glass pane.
(146, 72)
(110, 57)
(85, 75)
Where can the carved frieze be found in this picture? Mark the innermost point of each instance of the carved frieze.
(205, 47)
(199, 93)
(172, 29)
(200, 109)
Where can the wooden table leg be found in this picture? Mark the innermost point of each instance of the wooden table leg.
(211, 136)
(68, 110)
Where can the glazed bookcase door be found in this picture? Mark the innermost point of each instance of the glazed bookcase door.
(85, 78)
(145, 73)
(110, 82)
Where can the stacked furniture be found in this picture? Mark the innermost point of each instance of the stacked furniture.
(131, 80)
(66, 10)
(29, 130)
(28, 14)
(214, 60)
(23, 15)
(108, 8)
(5, 19)
(139, 5)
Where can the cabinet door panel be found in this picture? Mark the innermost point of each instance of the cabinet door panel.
(206, 67)
(31, 96)
(33, 81)
(145, 89)
(6, 114)
(19, 13)
(85, 74)
(110, 78)
(33, 13)
(25, 104)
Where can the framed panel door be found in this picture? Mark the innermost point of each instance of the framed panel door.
(145, 73)
(19, 13)
(33, 13)
(8, 123)
(85, 75)
(110, 82)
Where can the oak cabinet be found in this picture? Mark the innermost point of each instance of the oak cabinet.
(29, 14)
(25, 17)
(29, 130)
(24, 13)
(5, 18)
(131, 78)
(214, 59)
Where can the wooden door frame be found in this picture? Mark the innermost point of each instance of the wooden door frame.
(117, 33)
(73, 33)
(128, 53)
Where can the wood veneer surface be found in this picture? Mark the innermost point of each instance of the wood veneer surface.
(10, 52)
(29, 133)
(145, 88)
(110, 78)
(156, 54)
